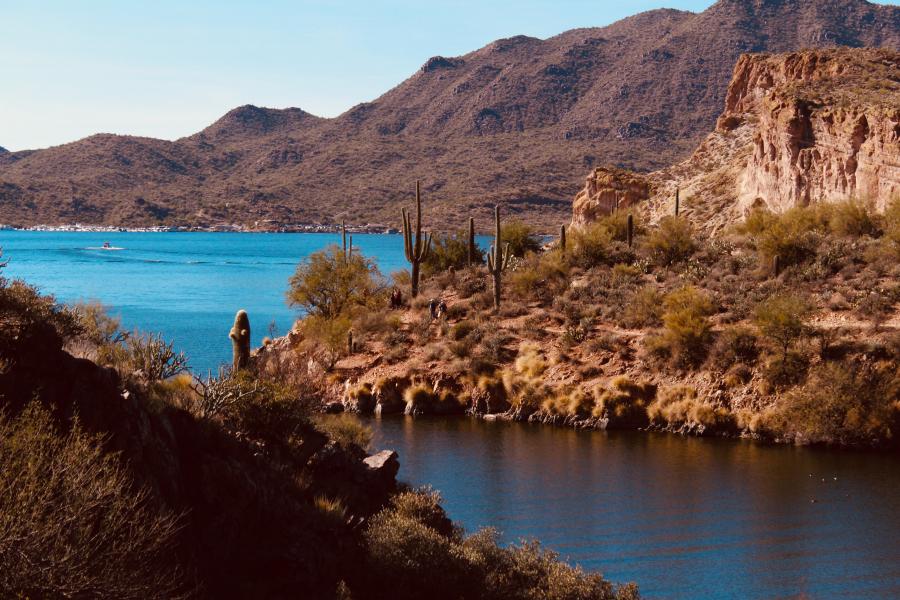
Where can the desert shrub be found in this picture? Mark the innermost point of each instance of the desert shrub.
(31, 322)
(792, 236)
(540, 276)
(672, 241)
(853, 218)
(591, 246)
(616, 223)
(521, 238)
(679, 407)
(644, 309)
(72, 522)
(345, 429)
(325, 337)
(841, 403)
(401, 278)
(413, 551)
(781, 318)
(877, 306)
(153, 357)
(332, 510)
(735, 345)
(328, 284)
(450, 251)
(686, 334)
(462, 329)
(624, 403)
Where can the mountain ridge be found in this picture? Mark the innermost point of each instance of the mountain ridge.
(517, 121)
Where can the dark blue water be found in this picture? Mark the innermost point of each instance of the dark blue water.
(186, 286)
(682, 517)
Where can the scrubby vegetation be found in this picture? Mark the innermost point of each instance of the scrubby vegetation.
(726, 328)
(135, 479)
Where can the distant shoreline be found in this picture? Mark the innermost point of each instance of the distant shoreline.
(77, 228)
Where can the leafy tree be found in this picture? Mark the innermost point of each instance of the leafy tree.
(520, 237)
(449, 250)
(781, 318)
(329, 284)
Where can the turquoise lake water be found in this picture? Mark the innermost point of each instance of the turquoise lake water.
(683, 517)
(186, 286)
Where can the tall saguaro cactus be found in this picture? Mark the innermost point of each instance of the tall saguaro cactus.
(498, 258)
(562, 238)
(629, 230)
(470, 258)
(347, 248)
(240, 341)
(415, 246)
(677, 201)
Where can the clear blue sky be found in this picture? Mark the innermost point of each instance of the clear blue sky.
(168, 68)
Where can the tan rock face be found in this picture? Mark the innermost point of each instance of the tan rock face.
(828, 127)
(607, 189)
(798, 128)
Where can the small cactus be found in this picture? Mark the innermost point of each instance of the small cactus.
(776, 265)
(350, 342)
(629, 230)
(471, 248)
(562, 238)
(240, 341)
(498, 258)
(415, 246)
(677, 201)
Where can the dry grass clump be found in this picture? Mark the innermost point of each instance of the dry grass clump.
(624, 403)
(679, 407)
(524, 384)
(73, 524)
(345, 429)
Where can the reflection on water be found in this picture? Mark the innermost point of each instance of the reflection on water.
(683, 517)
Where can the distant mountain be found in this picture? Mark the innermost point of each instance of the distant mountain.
(3, 150)
(518, 122)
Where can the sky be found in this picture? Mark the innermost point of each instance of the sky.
(169, 68)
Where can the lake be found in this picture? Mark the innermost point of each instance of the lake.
(186, 286)
(682, 517)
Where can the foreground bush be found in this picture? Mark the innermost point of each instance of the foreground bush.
(72, 524)
(414, 551)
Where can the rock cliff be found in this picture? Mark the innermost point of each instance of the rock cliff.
(798, 128)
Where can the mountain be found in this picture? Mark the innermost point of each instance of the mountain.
(797, 128)
(515, 122)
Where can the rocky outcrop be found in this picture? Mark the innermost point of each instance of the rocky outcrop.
(828, 127)
(798, 128)
(608, 189)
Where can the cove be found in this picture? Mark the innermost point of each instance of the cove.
(682, 517)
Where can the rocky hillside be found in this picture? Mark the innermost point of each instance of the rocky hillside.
(517, 121)
(798, 128)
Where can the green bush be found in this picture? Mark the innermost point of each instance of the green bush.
(853, 218)
(781, 318)
(643, 309)
(793, 236)
(450, 251)
(329, 285)
(687, 330)
(672, 241)
(521, 238)
(72, 522)
(735, 345)
(590, 246)
(540, 276)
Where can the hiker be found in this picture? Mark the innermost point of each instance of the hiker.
(396, 298)
(442, 310)
(432, 307)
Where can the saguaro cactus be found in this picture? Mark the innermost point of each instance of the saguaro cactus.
(629, 230)
(498, 258)
(776, 265)
(677, 201)
(562, 238)
(345, 246)
(471, 254)
(240, 341)
(350, 342)
(415, 246)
